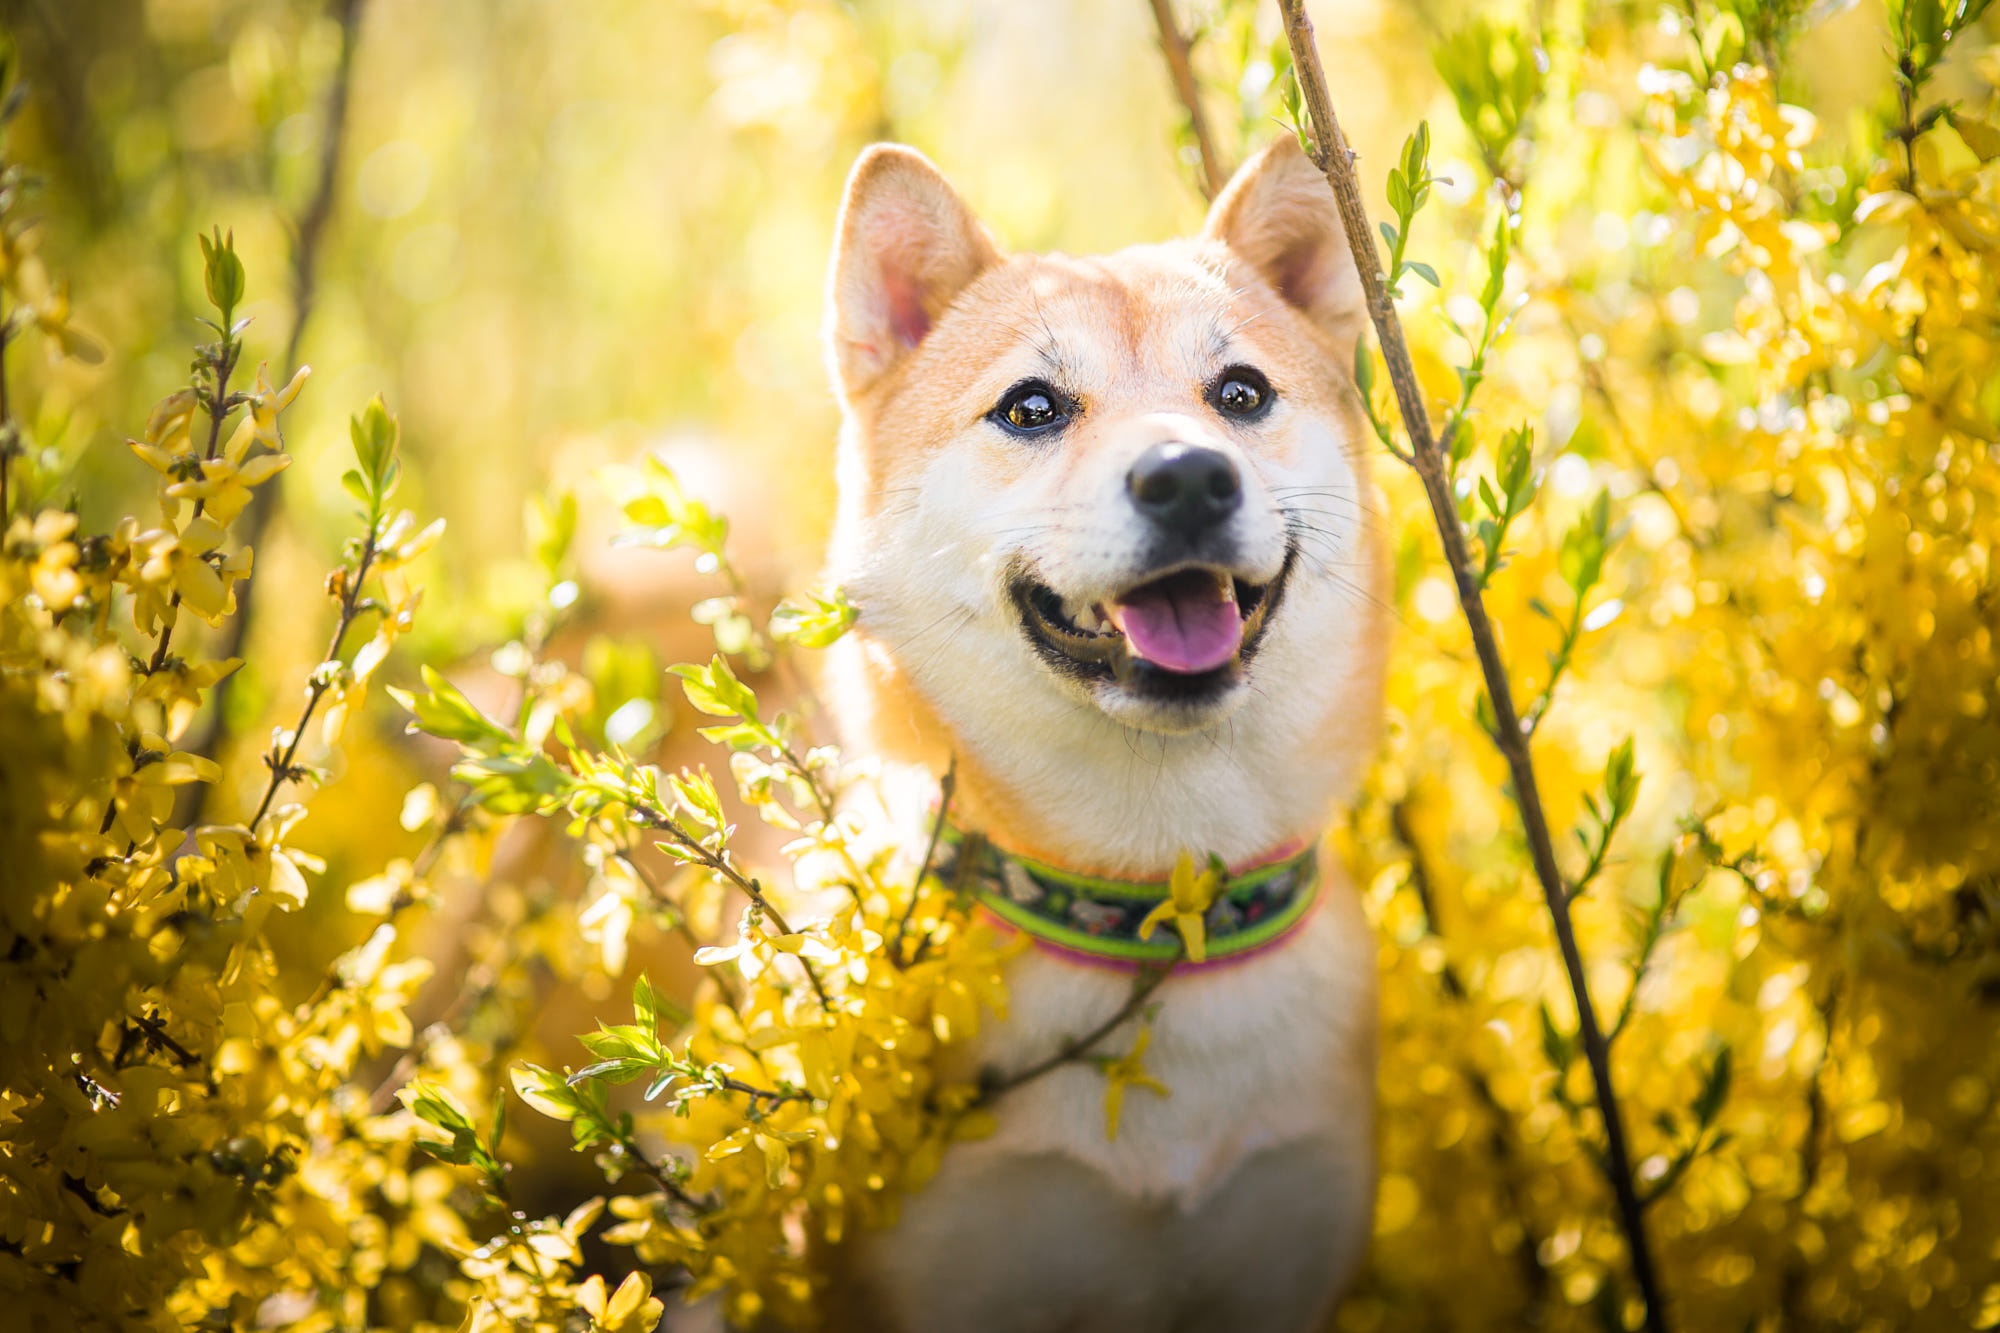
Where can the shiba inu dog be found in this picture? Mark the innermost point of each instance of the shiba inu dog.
(1109, 527)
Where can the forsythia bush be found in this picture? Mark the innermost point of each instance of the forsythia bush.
(182, 1147)
(1779, 363)
(1735, 514)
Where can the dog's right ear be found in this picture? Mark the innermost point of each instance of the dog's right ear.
(906, 246)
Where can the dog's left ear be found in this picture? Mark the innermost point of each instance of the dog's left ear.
(1278, 215)
(907, 245)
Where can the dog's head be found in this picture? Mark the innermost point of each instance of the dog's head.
(1123, 490)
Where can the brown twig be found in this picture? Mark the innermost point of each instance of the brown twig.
(647, 816)
(1174, 46)
(823, 803)
(220, 408)
(1527, 1252)
(256, 517)
(946, 786)
(1076, 1048)
(7, 437)
(681, 927)
(350, 611)
(1331, 154)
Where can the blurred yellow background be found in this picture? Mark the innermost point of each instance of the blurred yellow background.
(563, 233)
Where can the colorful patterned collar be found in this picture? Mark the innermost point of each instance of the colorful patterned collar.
(1097, 920)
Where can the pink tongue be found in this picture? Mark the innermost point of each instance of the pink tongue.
(1183, 625)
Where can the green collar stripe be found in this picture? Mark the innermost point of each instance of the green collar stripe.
(1100, 918)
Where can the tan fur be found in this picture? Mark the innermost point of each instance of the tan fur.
(1243, 1200)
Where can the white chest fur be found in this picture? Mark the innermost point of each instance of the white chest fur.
(1240, 1200)
(1253, 1054)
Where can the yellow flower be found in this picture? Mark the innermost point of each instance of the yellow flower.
(226, 482)
(631, 1309)
(1127, 1071)
(51, 538)
(145, 797)
(266, 402)
(1189, 894)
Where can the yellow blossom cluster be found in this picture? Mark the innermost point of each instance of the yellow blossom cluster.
(1734, 518)
(180, 1145)
(1775, 357)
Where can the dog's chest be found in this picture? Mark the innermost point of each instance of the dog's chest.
(1272, 1050)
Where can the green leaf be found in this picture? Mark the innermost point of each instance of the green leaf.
(649, 511)
(375, 433)
(517, 781)
(1416, 149)
(715, 690)
(820, 622)
(546, 1091)
(222, 273)
(446, 713)
(1463, 436)
(1581, 557)
(436, 1106)
(1981, 137)
(1482, 710)
(620, 1070)
(1557, 1048)
(737, 735)
(645, 1003)
(624, 1041)
(1714, 1089)
(696, 792)
(1424, 271)
(551, 528)
(1496, 265)
(1495, 76)
(1399, 195)
(1621, 783)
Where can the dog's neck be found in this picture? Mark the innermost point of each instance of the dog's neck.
(1103, 800)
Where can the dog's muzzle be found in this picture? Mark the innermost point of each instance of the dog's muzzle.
(1183, 632)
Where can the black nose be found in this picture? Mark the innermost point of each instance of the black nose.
(1185, 487)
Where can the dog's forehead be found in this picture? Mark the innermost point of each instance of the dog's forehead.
(1105, 317)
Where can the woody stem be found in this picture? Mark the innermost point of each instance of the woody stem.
(1331, 154)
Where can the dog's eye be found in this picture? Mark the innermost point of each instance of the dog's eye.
(1242, 393)
(1030, 408)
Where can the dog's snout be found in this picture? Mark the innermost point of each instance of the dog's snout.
(1185, 487)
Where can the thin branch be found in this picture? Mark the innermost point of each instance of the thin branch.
(647, 816)
(7, 432)
(256, 517)
(220, 407)
(823, 803)
(1174, 46)
(1077, 1048)
(350, 611)
(772, 1095)
(946, 787)
(629, 1145)
(1527, 1251)
(681, 927)
(1331, 154)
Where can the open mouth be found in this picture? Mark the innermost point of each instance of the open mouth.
(1183, 633)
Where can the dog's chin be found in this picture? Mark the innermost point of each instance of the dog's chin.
(1176, 705)
(1089, 651)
